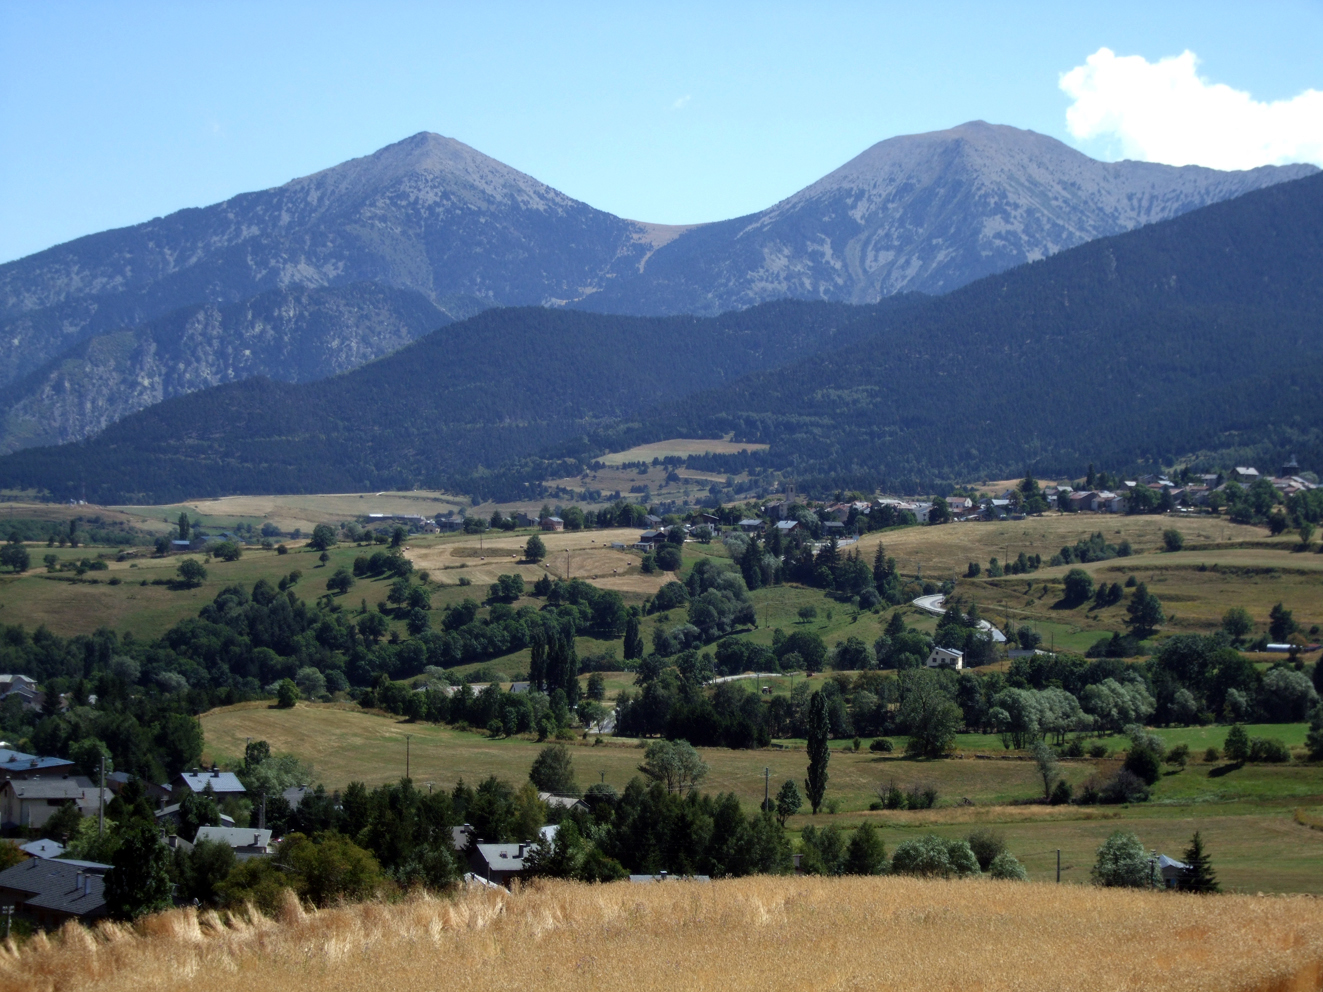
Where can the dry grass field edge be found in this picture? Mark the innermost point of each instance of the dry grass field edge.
(752, 933)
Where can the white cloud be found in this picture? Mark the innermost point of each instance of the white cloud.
(680, 103)
(1164, 112)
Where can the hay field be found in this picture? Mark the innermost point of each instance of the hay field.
(300, 511)
(585, 554)
(678, 447)
(754, 933)
(945, 551)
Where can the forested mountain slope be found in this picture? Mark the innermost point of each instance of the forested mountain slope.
(292, 335)
(926, 212)
(445, 411)
(1200, 333)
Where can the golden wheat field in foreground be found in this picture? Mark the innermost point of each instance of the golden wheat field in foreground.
(753, 933)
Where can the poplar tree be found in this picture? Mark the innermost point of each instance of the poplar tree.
(818, 728)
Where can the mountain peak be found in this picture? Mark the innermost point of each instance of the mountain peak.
(432, 160)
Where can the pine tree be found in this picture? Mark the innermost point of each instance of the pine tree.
(1199, 875)
(184, 527)
(1144, 612)
(896, 625)
(819, 754)
(880, 571)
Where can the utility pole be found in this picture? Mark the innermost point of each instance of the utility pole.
(1058, 866)
(406, 754)
(602, 772)
(767, 788)
(100, 812)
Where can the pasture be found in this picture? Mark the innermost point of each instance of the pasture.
(1247, 812)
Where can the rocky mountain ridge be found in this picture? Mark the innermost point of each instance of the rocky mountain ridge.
(431, 216)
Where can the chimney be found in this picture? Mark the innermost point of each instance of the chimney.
(78, 882)
(87, 884)
(663, 873)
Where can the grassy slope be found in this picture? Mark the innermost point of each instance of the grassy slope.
(1246, 813)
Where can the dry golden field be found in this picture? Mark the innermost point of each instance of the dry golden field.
(300, 511)
(755, 933)
(584, 554)
(681, 447)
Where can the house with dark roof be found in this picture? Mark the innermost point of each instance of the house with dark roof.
(559, 801)
(50, 892)
(171, 814)
(23, 687)
(497, 862)
(17, 764)
(221, 783)
(246, 842)
(30, 802)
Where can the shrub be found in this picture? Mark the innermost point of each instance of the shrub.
(1143, 763)
(1179, 755)
(882, 745)
(1098, 750)
(1173, 539)
(1122, 862)
(1126, 787)
(1078, 586)
(931, 856)
(1073, 749)
(1006, 866)
(287, 694)
(1061, 794)
(1268, 750)
(1212, 754)
(987, 846)
(553, 770)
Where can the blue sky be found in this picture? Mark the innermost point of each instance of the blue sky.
(111, 114)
